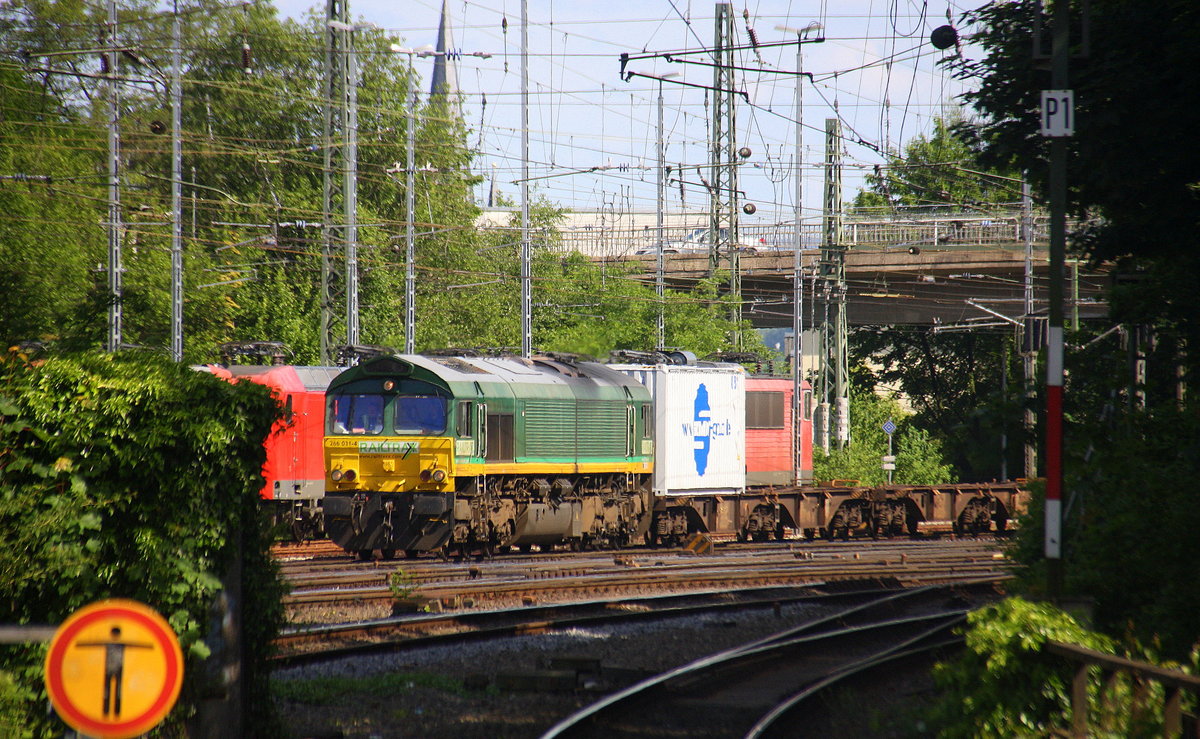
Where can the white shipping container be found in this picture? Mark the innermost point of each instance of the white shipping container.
(699, 427)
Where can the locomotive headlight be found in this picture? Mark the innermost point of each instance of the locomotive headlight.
(433, 475)
(341, 475)
(349, 476)
(336, 475)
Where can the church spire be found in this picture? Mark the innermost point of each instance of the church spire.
(445, 70)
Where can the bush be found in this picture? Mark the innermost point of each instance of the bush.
(135, 477)
(1004, 685)
(1129, 528)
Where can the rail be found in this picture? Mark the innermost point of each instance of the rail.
(1174, 683)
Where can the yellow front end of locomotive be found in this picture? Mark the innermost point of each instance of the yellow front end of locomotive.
(389, 464)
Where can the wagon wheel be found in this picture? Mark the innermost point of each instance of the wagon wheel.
(364, 555)
(387, 553)
(838, 522)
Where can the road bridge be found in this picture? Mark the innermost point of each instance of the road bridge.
(949, 271)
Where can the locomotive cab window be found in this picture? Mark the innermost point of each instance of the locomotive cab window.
(462, 422)
(419, 408)
(420, 414)
(356, 414)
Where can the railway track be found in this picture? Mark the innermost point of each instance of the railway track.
(762, 688)
(307, 645)
(552, 577)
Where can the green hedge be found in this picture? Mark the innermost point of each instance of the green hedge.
(1005, 684)
(130, 476)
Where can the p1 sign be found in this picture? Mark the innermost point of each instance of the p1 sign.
(1058, 113)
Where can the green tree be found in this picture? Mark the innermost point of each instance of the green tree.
(918, 457)
(1129, 524)
(965, 389)
(49, 246)
(1129, 178)
(935, 174)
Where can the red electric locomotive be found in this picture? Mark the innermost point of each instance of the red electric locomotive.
(769, 436)
(295, 466)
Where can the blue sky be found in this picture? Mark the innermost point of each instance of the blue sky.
(876, 66)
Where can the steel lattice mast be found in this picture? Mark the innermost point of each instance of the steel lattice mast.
(339, 252)
(834, 376)
(115, 266)
(723, 186)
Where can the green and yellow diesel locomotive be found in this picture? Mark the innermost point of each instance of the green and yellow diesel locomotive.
(476, 453)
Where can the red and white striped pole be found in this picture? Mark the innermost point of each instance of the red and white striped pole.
(1058, 121)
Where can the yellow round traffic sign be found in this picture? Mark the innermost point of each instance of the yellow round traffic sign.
(114, 669)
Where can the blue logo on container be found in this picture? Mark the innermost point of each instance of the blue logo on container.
(702, 433)
(703, 429)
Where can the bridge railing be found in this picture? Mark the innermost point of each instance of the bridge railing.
(947, 231)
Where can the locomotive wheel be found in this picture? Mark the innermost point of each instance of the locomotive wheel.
(364, 555)
(411, 553)
(386, 554)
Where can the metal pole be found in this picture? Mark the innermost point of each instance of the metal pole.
(659, 287)
(798, 279)
(526, 277)
(176, 192)
(1029, 357)
(890, 454)
(410, 282)
(1054, 364)
(115, 267)
(350, 188)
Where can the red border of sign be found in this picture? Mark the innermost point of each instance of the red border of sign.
(164, 636)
